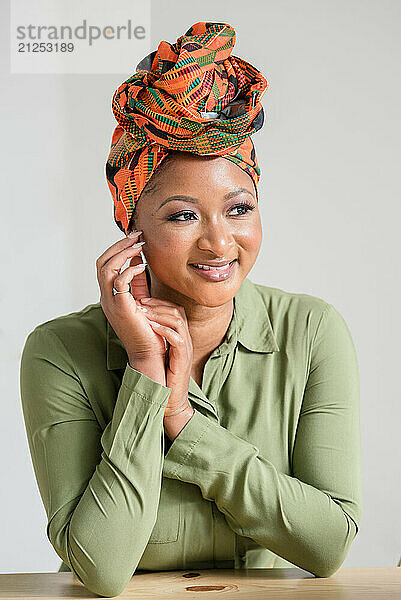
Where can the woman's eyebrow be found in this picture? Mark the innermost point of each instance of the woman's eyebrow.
(196, 201)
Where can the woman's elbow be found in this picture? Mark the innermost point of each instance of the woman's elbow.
(101, 582)
(329, 562)
(104, 587)
(97, 578)
(326, 569)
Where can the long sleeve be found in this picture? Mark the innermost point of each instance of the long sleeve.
(311, 516)
(100, 489)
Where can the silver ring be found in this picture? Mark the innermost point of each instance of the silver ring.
(123, 292)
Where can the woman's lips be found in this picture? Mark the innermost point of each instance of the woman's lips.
(216, 275)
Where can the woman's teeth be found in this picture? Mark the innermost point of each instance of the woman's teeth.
(208, 268)
(205, 268)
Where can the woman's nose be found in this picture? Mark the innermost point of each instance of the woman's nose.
(217, 239)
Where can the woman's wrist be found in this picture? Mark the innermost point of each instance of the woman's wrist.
(152, 368)
(175, 423)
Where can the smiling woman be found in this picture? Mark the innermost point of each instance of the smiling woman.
(203, 212)
(192, 418)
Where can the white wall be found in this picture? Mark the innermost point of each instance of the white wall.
(330, 155)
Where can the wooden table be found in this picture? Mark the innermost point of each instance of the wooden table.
(381, 583)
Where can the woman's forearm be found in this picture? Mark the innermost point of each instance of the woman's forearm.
(100, 485)
(154, 369)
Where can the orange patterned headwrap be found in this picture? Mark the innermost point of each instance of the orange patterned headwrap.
(191, 96)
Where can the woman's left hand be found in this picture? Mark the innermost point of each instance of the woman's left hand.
(169, 320)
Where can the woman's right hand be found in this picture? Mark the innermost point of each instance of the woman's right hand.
(122, 311)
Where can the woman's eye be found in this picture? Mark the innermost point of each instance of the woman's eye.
(244, 206)
(175, 217)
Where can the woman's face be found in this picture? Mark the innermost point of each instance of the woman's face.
(218, 221)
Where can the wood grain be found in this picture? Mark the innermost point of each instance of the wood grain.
(380, 583)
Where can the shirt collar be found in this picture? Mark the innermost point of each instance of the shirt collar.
(250, 325)
(253, 328)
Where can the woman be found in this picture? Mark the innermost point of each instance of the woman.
(215, 424)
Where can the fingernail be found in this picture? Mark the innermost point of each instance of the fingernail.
(144, 299)
(143, 309)
(133, 234)
(137, 245)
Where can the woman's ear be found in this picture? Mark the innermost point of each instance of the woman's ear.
(131, 225)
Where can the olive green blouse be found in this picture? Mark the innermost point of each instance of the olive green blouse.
(266, 473)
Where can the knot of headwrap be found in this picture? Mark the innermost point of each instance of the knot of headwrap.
(191, 96)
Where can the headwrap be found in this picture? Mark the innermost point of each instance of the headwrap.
(191, 96)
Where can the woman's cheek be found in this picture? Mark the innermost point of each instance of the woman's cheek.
(252, 241)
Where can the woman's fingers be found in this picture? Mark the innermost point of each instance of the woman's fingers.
(139, 285)
(126, 301)
(175, 317)
(171, 336)
(112, 251)
(172, 319)
(115, 248)
(111, 269)
(124, 279)
(119, 259)
(154, 302)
